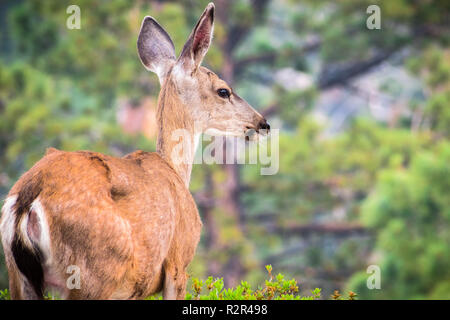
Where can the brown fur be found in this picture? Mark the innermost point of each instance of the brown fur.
(112, 239)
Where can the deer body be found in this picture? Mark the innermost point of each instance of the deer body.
(130, 225)
(123, 221)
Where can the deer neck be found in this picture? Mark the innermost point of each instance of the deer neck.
(176, 142)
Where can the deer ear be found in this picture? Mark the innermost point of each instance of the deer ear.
(198, 43)
(155, 48)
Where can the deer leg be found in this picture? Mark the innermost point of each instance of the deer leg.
(15, 285)
(174, 283)
(20, 288)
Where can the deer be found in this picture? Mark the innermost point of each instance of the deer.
(129, 224)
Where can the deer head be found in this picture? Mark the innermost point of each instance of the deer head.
(203, 98)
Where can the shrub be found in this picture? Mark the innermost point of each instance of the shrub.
(275, 288)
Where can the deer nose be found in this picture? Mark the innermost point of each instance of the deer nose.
(263, 125)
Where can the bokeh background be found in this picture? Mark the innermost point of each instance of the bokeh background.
(364, 116)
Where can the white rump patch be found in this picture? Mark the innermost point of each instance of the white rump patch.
(43, 237)
(38, 222)
(7, 222)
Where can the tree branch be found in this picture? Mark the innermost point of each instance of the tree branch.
(343, 229)
(341, 74)
(270, 57)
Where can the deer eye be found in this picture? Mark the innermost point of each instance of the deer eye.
(223, 93)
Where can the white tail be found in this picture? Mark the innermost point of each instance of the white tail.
(127, 227)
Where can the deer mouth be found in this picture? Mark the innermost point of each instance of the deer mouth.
(252, 134)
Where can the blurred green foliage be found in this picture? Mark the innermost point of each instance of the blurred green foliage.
(275, 288)
(409, 211)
